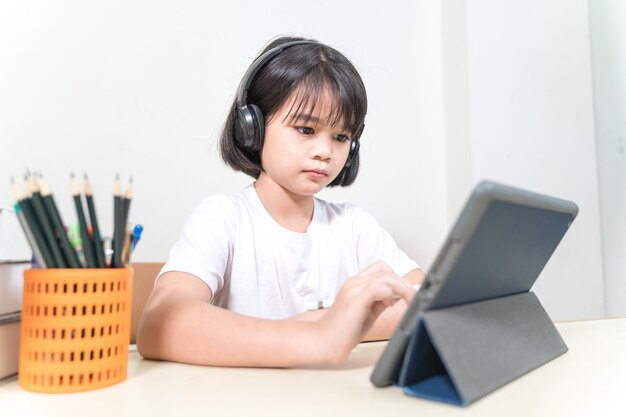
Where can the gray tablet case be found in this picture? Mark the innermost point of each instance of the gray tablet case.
(474, 326)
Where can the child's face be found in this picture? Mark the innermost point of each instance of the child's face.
(304, 156)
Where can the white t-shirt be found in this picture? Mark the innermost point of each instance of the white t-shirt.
(254, 266)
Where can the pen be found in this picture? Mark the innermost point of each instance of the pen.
(137, 230)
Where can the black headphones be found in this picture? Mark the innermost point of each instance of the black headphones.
(249, 123)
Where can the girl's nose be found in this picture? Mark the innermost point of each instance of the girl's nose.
(322, 148)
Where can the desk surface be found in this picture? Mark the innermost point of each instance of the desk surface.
(588, 380)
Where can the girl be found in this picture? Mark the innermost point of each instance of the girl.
(237, 284)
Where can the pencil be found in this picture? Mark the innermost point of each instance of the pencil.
(118, 225)
(127, 199)
(29, 236)
(28, 229)
(71, 258)
(98, 246)
(127, 242)
(90, 259)
(35, 227)
(44, 221)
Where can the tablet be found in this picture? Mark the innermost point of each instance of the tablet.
(498, 246)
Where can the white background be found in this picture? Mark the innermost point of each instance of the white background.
(608, 23)
(525, 93)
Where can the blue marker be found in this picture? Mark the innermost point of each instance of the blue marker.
(136, 236)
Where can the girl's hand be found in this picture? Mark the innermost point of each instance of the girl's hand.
(358, 304)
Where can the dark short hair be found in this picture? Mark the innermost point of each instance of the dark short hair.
(304, 69)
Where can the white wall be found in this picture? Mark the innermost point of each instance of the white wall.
(142, 87)
(608, 41)
(531, 125)
(458, 91)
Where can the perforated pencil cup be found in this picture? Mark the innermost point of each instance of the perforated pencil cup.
(75, 329)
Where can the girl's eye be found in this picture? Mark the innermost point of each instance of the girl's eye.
(305, 130)
(341, 138)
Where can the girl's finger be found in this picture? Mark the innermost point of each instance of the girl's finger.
(387, 287)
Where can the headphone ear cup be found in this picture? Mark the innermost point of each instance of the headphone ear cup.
(249, 123)
(244, 127)
(258, 133)
(249, 127)
(354, 149)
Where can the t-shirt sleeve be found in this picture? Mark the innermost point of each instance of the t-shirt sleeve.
(375, 244)
(204, 245)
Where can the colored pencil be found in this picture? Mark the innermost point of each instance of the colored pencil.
(38, 258)
(34, 237)
(98, 246)
(71, 258)
(118, 224)
(90, 258)
(127, 200)
(31, 218)
(44, 221)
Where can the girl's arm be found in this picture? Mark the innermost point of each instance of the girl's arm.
(179, 324)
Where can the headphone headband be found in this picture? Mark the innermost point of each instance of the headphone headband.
(258, 64)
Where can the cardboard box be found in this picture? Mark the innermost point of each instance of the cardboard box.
(143, 280)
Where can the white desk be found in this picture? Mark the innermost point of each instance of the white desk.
(589, 380)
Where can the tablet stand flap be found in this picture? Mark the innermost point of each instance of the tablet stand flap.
(423, 373)
(459, 354)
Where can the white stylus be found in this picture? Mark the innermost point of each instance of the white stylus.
(322, 304)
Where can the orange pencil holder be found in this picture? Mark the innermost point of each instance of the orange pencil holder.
(75, 329)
